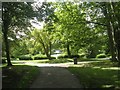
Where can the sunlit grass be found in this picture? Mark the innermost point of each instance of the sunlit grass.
(104, 74)
(96, 77)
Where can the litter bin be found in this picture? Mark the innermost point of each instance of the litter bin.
(75, 60)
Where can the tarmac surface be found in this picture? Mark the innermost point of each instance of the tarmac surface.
(56, 77)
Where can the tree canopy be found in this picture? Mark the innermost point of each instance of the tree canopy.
(85, 27)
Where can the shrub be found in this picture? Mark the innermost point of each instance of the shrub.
(66, 56)
(72, 56)
(4, 60)
(39, 56)
(59, 61)
(101, 55)
(25, 57)
(82, 55)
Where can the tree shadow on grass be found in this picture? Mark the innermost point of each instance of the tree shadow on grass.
(97, 77)
(18, 76)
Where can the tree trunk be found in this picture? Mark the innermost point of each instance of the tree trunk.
(118, 45)
(110, 34)
(46, 51)
(50, 48)
(5, 25)
(68, 49)
(117, 29)
(7, 49)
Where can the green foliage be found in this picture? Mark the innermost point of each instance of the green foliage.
(41, 37)
(81, 26)
(59, 61)
(4, 60)
(101, 55)
(66, 56)
(39, 57)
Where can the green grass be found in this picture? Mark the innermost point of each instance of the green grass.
(92, 77)
(18, 76)
(90, 59)
(104, 63)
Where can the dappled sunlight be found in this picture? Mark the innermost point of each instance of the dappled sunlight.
(112, 68)
(107, 86)
(96, 77)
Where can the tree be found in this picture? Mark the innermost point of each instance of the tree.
(42, 37)
(14, 14)
(79, 26)
(111, 13)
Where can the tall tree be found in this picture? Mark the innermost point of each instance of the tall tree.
(43, 38)
(111, 12)
(14, 14)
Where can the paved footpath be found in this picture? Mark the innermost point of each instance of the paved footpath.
(55, 77)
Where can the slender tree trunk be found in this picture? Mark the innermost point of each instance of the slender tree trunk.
(7, 48)
(111, 43)
(68, 49)
(5, 26)
(117, 27)
(46, 51)
(50, 48)
(110, 34)
(118, 45)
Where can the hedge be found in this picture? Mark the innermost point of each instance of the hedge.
(101, 55)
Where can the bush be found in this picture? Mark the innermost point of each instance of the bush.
(25, 57)
(59, 61)
(101, 55)
(66, 56)
(82, 55)
(72, 56)
(4, 60)
(39, 56)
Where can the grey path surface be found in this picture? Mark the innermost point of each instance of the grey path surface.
(55, 77)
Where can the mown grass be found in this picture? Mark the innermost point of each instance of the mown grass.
(18, 76)
(92, 77)
(91, 59)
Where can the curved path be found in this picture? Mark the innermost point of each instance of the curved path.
(55, 77)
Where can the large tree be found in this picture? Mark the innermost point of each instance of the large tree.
(14, 14)
(41, 37)
(112, 20)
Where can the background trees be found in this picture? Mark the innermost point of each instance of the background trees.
(85, 27)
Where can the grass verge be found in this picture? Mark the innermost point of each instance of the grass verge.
(91, 77)
(18, 76)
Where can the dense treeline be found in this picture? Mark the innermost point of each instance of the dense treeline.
(85, 28)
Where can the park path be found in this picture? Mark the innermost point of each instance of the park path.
(55, 77)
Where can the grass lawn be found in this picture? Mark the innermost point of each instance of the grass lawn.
(98, 75)
(18, 76)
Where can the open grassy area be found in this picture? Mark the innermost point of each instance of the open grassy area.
(64, 60)
(98, 75)
(18, 76)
